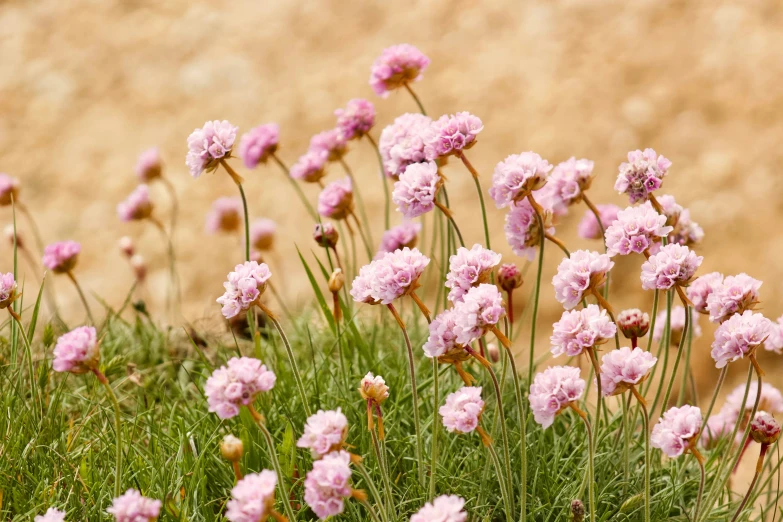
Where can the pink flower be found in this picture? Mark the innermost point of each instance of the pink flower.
(579, 330)
(739, 336)
(9, 186)
(253, 498)
(522, 230)
(588, 227)
(771, 400)
(336, 199)
(356, 119)
(51, 515)
(509, 277)
(686, 232)
(324, 432)
(402, 143)
(635, 230)
(394, 275)
(61, 257)
(373, 388)
(262, 234)
(400, 236)
(462, 411)
(132, 507)
(77, 351)
(327, 485)
(676, 430)
(415, 192)
(469, 268)
(258, 144)
(478, 312)
(774, 342)
(677, 324)
(567, 182)
(701, 288)
(552, 391)
(672, 265)
(226, 216)
(633, 323)
(764, 429)
(445, 508)
(734, 296)
(333, 142)
(149, 165)
(451, 134)
(443, 335)
(517, 176)
(642, 175)
(136, 206)
(244, 287)
(7, 289)
(396, 66)
(208, 145)
(237, 384)
(582, 271)
(623, 368)
(310, 166)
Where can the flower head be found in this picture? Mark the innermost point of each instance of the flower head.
(136, 206)
(77, 351)
(51, 515)
(734, 296)
(402, 143)
(333, 142)
(356, 119)
(443, 334)
(553, 390)
(310, 166)
(451, 134)
(208, 145)
(685, 231)
(253, 498)
(394, 275)
(258, 144)
(149, 165)
(771, 400)
(739, 336)
(701, 288)
(677, 324)
(509, 277)
(244, 287)
(373, 388)
(325, 235)
(672, 265)
(633, 323)
(588, 227)
(642, 174)
(9, 186)
(568, 181)
(396, 66)
(7, 289)
(576, 275)
(324, 432)
(765, 429)
(415, 192)
(623, 368)
(327, 485)
(61, 257)
(676, 430)
(636, 229)
(132, 507)
(237, 384)
(517, 176)
(478, 312)
(400, 236)
(262, 234)
(578, 330)
(462, 410)
(469, 268)
(774, 342)
(225, 215)
(336, 199)
(445, 508)
(231, 448)
(522, 229)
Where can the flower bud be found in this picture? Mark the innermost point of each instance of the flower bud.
(9, 233)
(231, 448)
(126, 246)
(764, 429)
(493, 352)
(509, 277)
(325, 235)
(139, 267)
(577, 510)
(336, 280)
(633, 323)
(374, 388)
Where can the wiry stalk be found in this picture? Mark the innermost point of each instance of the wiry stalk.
(590, 459)
(415, 98)
(117, 428)
(646, 418)
(81, 295)
(387, 197)
(289, 511)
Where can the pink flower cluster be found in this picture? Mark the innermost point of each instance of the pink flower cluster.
(237, 384)
(415, 191)
(324, 432)
(567, 182)
(553, 390)
(327, 485)
(258, 144)
(445, 508)
(642, 174)
(262, 234)
(468, 268)
(244, 286)
(77, 351)
(336, 199)
(517, 176)
(677, 324)
(676, 429)
(136, 206)
(7, 289)
(51, 515)
(451, 134)
(578, 330)
(403, 235)
(208, 145)
(333, 142)
(478, 312)
(132, 507)
(582, 271)
(149, 165)
(463, 409)
(701, 288)
(397, 66)
(623, 368)
(225, 215)
(394, 275)
(253, 498)
(402, 143)
(310, 166)
(356, 119)
(673, 265)
(9, 186)
(636, 229)
(774, 342)
(61, 257)
(734, 295)
(443, 334)
(588, 227)
(739, 336)
(522, 230)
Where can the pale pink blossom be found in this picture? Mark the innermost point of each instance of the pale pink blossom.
(415, 191)
(208, 145)
(237, 384)
(578, 274)
(578, 330)
(402, 143)
(478, 312)
(517, 176)
(623, 368)
(324, 432)
(774, 342)
(77, 351)
(136, 206)
(356, 119)
(9, 186)
(374, 388)
(734, 295)
(568, 181)
(523, 232)
(126, 246)
(452, 133)
(443, 334)
(676, 430)
(362, 286)
(685, 231)
(394, 275)
(327, 485)
(336, 199)
(244, 287)
(132, 507)
(588, 227)
(310, 166)
(397, 66)
(700, 289)
(771, 400)
(552, 391)
(463, 409)
(403, 235)
(633, 323)
(253, 498)
(149, 165)
(333, 142)
(469, 268)
(642, 174)
(51, 515)
(262, 234)
(61, 257)
(739, 336)
(677, 324)
(672, 265)
(445, 508)
(258, 144)
(635, 230)
(225, 216)
(7, 289)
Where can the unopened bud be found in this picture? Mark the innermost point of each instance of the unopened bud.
(231, 448)
(577, 510)
(493, 352)
(633, 323)
(126, 246)
(509, 277)
(9, 233)
(764, 429)
(139, 267)
(325, 235)
(336, 280)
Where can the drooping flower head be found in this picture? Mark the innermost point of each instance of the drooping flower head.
(61, 257)
(77, 351)
(310, 167)
(588, 227)
(149, 165)
(552, 391)
(51, 515)
(7, 289)
(397, 66)
(774, 342)
(237, 384)
(9, 186)
(136, 206)
(262, 234)
(402, 143)
(253, 498)
(394, 275)
(568, 181)
(623, 368)
(469, 268)
(642, 174)
(700, 289)
(325, 235)
(244, 287)
(517, 176)
(672, 265)
(635, 230)
(509, 277)
(327, 485)
(452, 133)
(132, 507)
(373, 388)
(739, 336)
(415, 192)
(445, 508)
(462, 410)
(324, 432)
(333, 142)
(523, 232)
(258, 144)
(677, 324)
(478, 312)
(336, 199)
(734, 295)
(403, 235)
(578, 330)
(578, 274)
(633, 323)
(764, 429)
(356, 119)
(225, 216)
(676, 430)
(208, 145)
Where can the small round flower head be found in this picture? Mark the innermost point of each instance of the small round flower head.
(623, 368)
(701, 288)
(310, 166)
(462, 410)
(225, 216)
(553, 390)
(333, 142)
(493, 352)
(394, 275)
(262, 234)
(149, 165)
(253, 498)
(231, 448)
(9, 186)
(132, 507)
(633, 323)
(258, 144)
(522, 229)
(719, 425)
(765, 429)
(373, 388)
(244, 286)
(577, 510)
(642, 174)
(356, 119)
(774, 342)
(324, 432)
(136, 206)
(445, 508)
(51, 515)
(325, 235)
(469, 268)
(61, 257)
(397, 66)
(677, 324)
(672, 265)
(588, 227)
(479, 310)
(7, 289)
(237, 384)
(327, 485)
(582, 271)
(11, 235)
(771, 400)
(686, 231)
(443, 337)
(208, 145)
(578, 330)
(509, 277)
(400, 236)
(126, 246)
(77, 351)
(734, 296)
(139, 266)
(568, 180)
(336, 199)
(402, 143)
(415, 192)
(517, 176)
(635, 230)
(739, 336)
(451, 134)
(676, 429)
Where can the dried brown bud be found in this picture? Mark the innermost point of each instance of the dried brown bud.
(325, 235)
(231, 448)
(336, 280)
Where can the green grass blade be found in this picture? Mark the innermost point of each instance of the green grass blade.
(318, 293)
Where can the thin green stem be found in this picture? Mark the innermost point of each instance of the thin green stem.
(369, 509)
(247, 222)
(756, 476)
(281, 483)
(666, 350)
(81, 295)
(686, 371)
(387, 196)
(174, 202)
(373, 490)
(359, 199)
(590, 461)
(435, 427)
(627, 427)
(117, 428)
(505, 491)
(522, 436)
(415, 98)
(680, 350)
(474, 173)
(384, 472)
(702, 480)
(646, 426)
(365, 241)
(718, 386)
(33, 225)
(450, 216)
(297, 188)
(29, 349)
(536, 293)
